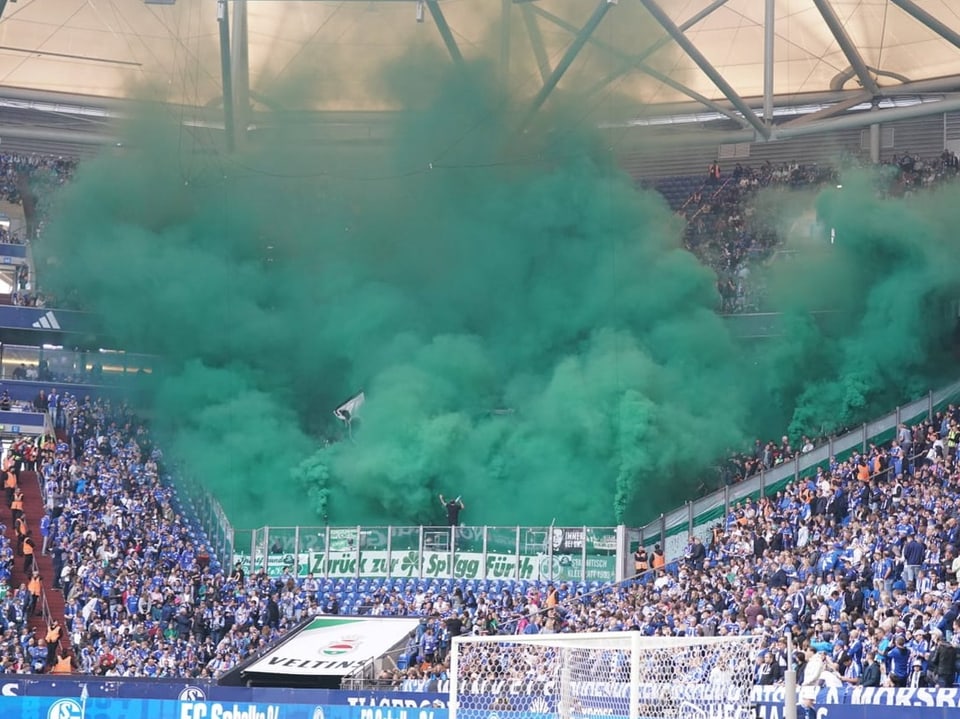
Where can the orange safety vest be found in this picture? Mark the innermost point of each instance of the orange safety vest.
(53, 635)
(28, 547)
(63, 666)
(11, 481)
(659, 561)
(34, 586)
(17, 502)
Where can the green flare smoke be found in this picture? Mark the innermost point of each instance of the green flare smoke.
(527, 330)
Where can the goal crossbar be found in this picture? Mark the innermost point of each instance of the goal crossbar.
(629, 675)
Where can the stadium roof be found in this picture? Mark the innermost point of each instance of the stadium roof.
(656, 57)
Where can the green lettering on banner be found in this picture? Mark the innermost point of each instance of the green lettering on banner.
(440, 565)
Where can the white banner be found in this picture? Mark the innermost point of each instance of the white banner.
(441, 565)
(335, 646)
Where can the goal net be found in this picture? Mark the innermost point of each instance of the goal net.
(608, 674)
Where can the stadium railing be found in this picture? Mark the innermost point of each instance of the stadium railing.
(673, 529)
(546, 553)
(204, 507)
(71, 367)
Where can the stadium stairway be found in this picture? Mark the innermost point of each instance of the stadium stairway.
(33, 508)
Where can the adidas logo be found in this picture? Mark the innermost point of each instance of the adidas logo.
(47, 322)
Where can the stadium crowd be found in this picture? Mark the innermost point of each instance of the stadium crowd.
(859, 562)
(726, 233)
(35, 175)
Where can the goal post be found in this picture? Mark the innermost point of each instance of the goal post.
(624, 675)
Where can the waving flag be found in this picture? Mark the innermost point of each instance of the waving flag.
(348, 410)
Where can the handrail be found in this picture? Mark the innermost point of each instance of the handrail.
(720, 189)
(690, 198)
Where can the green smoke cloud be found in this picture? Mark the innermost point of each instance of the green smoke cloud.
(527, 330)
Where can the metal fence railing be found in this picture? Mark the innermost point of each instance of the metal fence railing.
(672, 529)
(533, 553)
(205, 508)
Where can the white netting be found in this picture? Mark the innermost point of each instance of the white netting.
(576, 676)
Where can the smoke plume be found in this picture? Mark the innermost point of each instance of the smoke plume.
(526, 327)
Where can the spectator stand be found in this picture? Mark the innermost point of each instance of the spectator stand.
(672, 529)
(723, 233)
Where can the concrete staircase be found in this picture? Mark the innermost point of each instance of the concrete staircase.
(33, 508)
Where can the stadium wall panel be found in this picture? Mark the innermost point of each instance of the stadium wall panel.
(107, 698)
(690, 153)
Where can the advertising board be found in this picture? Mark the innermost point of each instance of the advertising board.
(334, 646)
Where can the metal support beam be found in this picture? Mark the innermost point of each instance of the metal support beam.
(536, 41)
(633, 62)
(863, 119)
(53, 134)
(875, 143)
(636, 62)
(828, 112)
(571, 54)
(505, 12)
(445, 32)
(702, 137)
(849, 49)
(692, 94)
(709, 70)
(240, 61)
(226, 72)
(938, 87)
(769, 41)
(925, 18)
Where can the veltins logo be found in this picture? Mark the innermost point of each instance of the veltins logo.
(65, 709)
(341, 646)
(192, 694)
(318, 713)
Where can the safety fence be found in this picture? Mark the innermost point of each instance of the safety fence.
(673, 529)
(532, 553)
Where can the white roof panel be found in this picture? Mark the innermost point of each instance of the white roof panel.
(115, 49)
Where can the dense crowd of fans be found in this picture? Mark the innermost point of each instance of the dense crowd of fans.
(36, 175)
(726, 233)
(859, 562)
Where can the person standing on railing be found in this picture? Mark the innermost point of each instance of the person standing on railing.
(453, 507)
